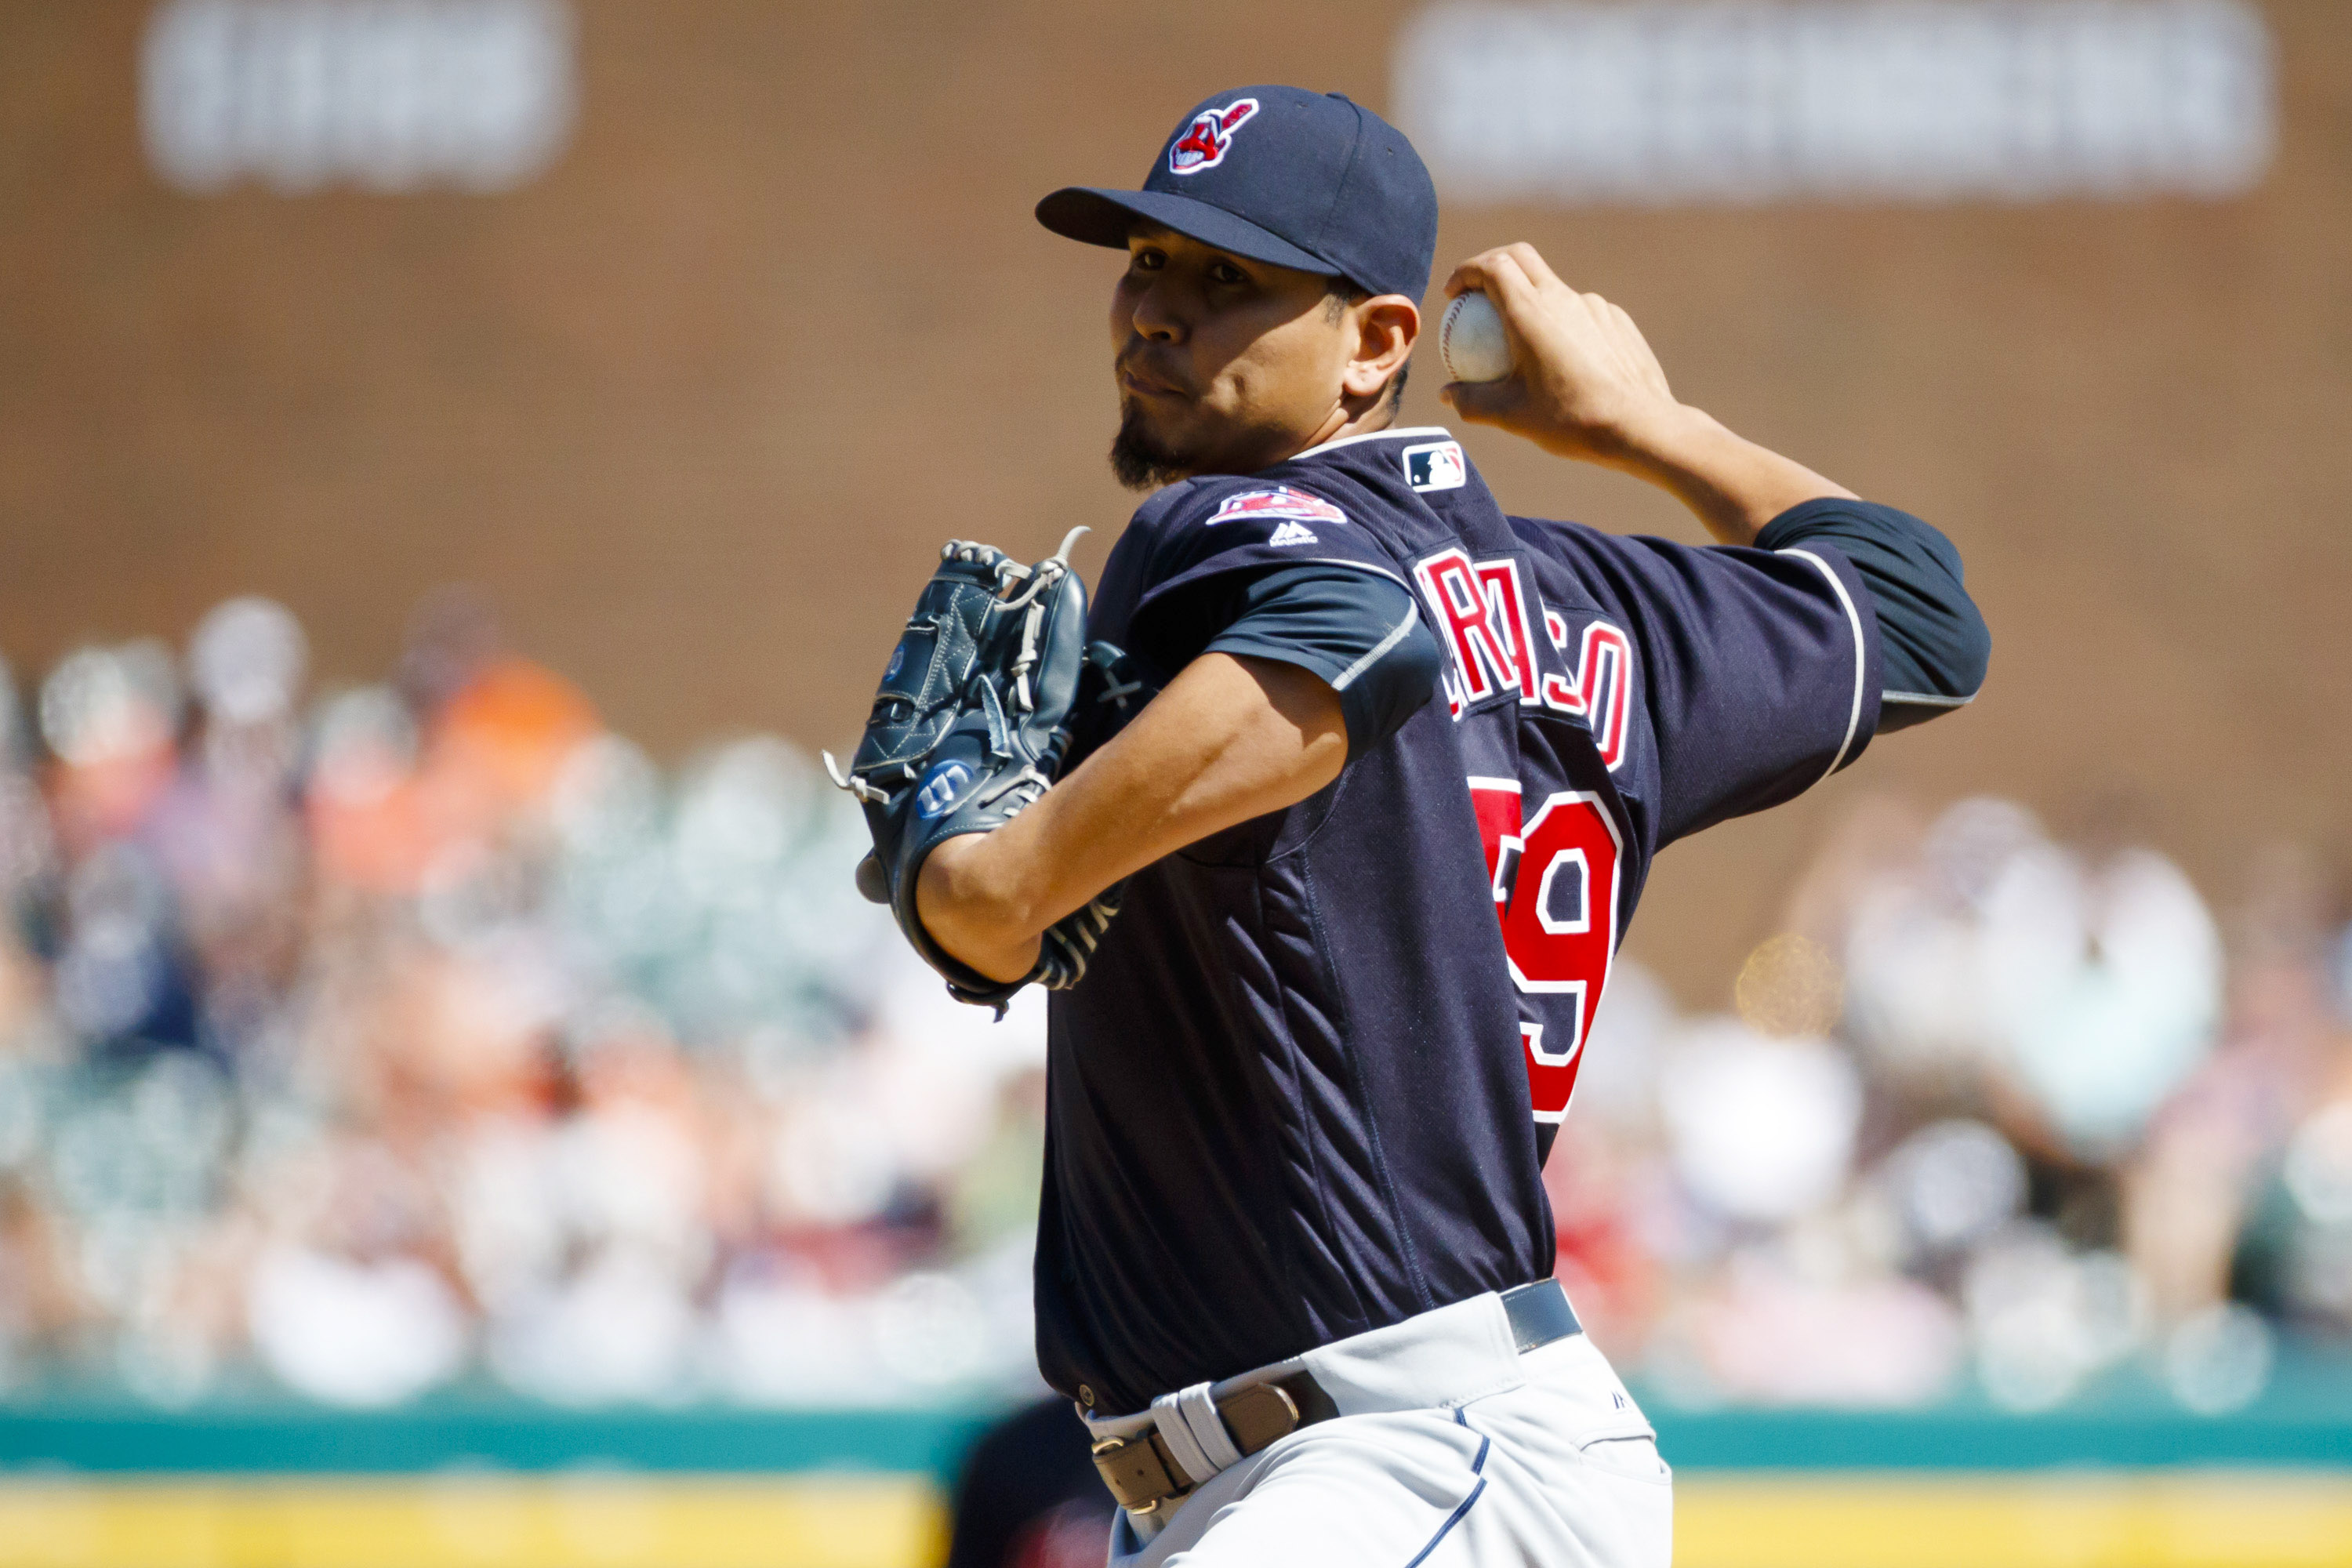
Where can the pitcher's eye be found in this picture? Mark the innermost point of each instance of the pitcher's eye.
(1226, 273)
(1148, 259)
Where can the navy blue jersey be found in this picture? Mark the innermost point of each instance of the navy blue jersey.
(1308, 1083)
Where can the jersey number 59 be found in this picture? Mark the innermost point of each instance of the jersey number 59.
(1554, 873)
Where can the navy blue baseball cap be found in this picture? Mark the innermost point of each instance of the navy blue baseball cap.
(1300, 179)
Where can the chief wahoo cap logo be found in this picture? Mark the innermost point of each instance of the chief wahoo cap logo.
(1206, 140)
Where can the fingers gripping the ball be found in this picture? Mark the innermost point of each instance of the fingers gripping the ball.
(1584, 383)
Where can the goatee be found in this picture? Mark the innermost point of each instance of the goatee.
(1138, 460)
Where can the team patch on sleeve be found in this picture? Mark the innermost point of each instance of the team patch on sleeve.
(1271, 505)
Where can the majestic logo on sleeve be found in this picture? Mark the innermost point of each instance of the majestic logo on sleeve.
(1436, 465)
(1291, 534)
(1210, 137)
(1281, 501)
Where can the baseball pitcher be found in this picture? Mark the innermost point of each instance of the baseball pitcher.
(1323, 822)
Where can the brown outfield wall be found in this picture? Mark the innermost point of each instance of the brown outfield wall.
(698, 405)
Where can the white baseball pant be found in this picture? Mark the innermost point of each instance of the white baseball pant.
(1452, 1449)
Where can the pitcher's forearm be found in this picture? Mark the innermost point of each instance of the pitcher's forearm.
(1734, 486)
(1229, 739)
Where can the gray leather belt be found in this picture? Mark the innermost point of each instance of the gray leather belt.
(1142, 1474)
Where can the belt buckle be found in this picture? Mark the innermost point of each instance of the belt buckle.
(1108, 1449)
(1253, 1417)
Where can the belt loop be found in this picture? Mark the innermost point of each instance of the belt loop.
(1199, 1413)
(1176, 1431)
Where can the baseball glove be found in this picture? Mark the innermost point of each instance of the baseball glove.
(969, 730)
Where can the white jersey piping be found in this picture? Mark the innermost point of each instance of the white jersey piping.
(1347, 676)
(1438, 431)
(1860, 669)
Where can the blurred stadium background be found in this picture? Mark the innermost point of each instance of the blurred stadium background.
(459, 458)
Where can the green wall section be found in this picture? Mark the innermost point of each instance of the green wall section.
(2305, 1420)
(301, 1440)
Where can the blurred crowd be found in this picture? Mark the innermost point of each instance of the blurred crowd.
(1997, 1114)
(363, 1043)
(425, 1034)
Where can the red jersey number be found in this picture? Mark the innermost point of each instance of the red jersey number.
(1555, 879)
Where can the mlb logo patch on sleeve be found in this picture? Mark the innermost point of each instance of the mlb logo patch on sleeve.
(1281, 501)
(1435, 465)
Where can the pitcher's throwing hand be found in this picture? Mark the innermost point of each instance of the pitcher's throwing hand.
(1584, 383)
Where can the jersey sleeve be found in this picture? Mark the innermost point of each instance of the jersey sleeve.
(1935, 644)
(1361, 633)
(1760, 668)
(1274, 571)
(1224, 526)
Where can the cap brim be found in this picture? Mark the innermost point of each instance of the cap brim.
(1106, 218)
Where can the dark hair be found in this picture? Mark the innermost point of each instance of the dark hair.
(1336, 300)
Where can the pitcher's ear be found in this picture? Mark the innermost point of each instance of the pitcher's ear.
(1387, 326)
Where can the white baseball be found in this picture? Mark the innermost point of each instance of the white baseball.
(1471, 340)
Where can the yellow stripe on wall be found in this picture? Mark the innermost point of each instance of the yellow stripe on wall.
(576, 1520)
(2146, 1518)
(2140, 1519)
